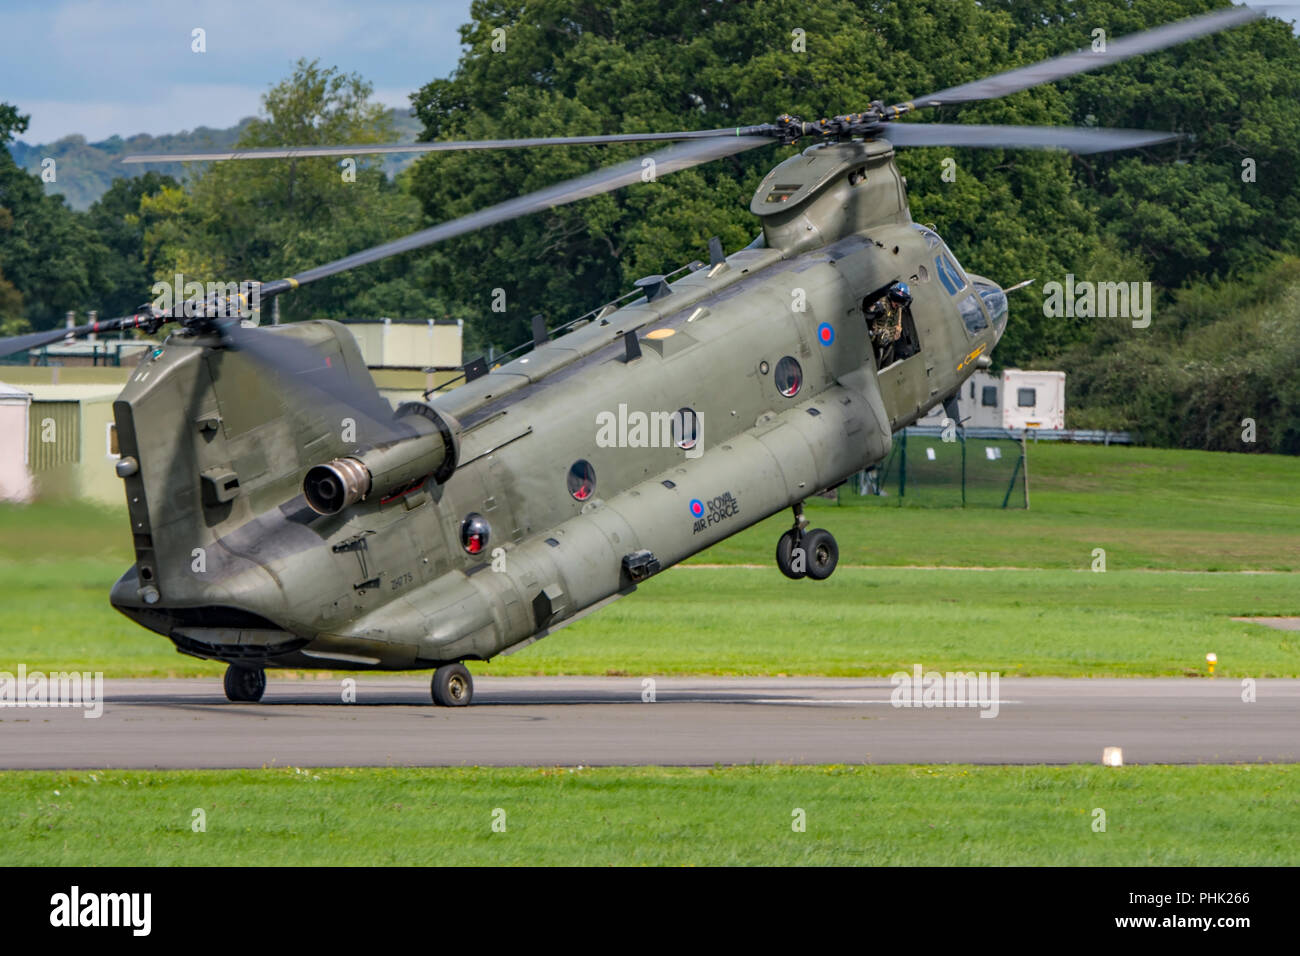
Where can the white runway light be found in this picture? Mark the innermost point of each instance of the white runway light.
(1112, 757)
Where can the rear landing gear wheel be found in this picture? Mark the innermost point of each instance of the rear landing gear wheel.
(244, 685)
(823, 554)
(786, 557)
(452, 686)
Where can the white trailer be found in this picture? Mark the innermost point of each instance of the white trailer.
(1016, 400)
(1032, 399)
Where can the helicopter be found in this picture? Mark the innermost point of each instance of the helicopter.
(284, 514)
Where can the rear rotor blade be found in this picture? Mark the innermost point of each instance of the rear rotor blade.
(32, 340)
(36, 340)
(292, 152)
(671, 160)
(300, 364)
(1076, 139)
(1082, 61)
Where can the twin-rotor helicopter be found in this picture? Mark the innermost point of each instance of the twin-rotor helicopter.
(488, 516)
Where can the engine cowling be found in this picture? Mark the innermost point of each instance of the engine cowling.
(432, 451)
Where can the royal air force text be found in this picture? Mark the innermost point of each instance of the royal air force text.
(717, 509)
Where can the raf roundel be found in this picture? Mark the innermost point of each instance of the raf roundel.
(697, 507)
(825, 334)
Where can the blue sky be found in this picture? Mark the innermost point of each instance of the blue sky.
(97, 68)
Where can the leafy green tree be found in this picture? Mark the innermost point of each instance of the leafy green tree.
(48, 253)
(1214, 204)
(267, 219)
(115, 217)
(11, 300)
(12, 123)
(571, 67)
(1227, 353)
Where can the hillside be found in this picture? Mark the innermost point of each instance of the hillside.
(86, 170)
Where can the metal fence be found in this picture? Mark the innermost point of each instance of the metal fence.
(953, 469)
(1083, 435)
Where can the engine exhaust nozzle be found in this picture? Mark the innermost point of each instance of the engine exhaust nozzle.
(431, 450)
(333, 486)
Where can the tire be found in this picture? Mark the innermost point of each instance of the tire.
(244, 685)
(452, 686)
(823, 553)
(785, 546)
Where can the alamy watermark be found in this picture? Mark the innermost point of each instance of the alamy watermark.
(216, 299)
(75, 908)
(923, 688)
(57, 689)
(682, 429)
(1103, 300)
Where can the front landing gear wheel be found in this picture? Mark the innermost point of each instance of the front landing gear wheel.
(245, 685)
(452, 686)
(785, 555)
(823, 554)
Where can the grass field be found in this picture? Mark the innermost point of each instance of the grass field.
(951, 589)
(1245, 815)
(1146, 507)
(752, 621)
(1151, 511)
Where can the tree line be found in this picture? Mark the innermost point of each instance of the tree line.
(1202, 219)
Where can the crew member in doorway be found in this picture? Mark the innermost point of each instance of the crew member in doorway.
(886, 322)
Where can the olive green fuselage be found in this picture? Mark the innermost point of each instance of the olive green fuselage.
(232, 564)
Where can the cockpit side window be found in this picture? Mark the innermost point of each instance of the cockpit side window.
(949, 274)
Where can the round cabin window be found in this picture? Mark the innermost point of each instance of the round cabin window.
(788, 377)
(686, 428)
(474, 534)
(582, 480)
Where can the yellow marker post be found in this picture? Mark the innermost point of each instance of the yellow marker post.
(1210, 660)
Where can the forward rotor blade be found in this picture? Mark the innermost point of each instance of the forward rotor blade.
(671, 160)
(292, 152)
(1076, 139)
(1082, 61)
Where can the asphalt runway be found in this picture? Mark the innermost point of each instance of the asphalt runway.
(603, 721)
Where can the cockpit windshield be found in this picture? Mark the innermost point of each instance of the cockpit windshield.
(931, 237)
(955, 281)
(995, 301)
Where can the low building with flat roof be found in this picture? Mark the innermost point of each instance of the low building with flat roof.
(71, 442)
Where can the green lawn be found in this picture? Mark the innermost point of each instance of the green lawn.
(876, 621)
(861, 815)
(885, 609)
(740, 620)
(1146, 507)
(1149, 509)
